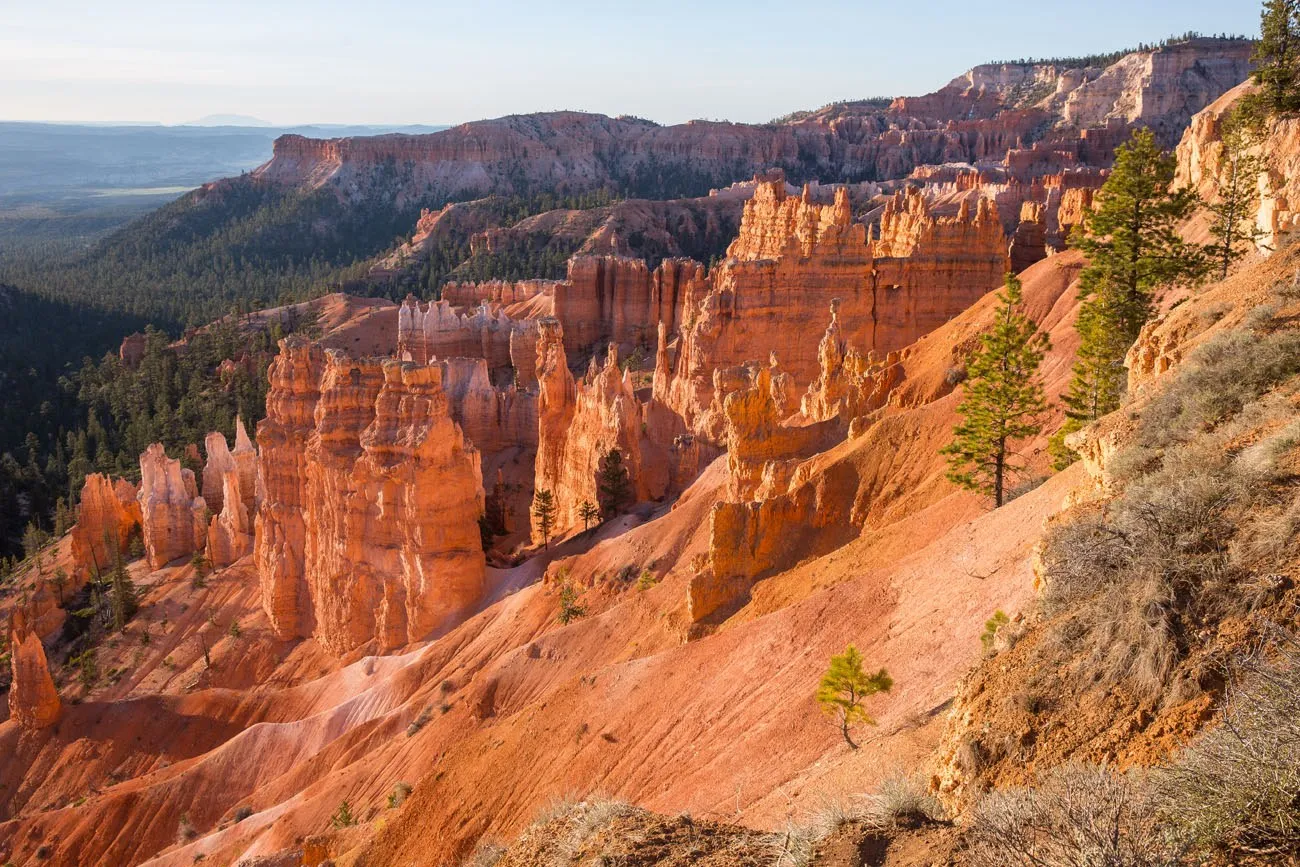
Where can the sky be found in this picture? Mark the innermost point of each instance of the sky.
(433, 62)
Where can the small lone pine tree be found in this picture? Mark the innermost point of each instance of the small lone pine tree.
(571, 607)
(615, 487)
(544, 512)
(1233, 228)
(589, 512)
(1277, 57)
(123, 598)
(845, 686)
(1133, 247)
(1003, 400)
(343, 817)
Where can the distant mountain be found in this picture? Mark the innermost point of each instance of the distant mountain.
(228, 120)
(70, 183)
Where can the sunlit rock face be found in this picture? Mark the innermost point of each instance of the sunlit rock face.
(370, 532)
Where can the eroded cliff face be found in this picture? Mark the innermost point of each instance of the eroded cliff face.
(107, 516)
(1202, 166)
(174, 516)
(370, 532)
(795, 256)
(33, 699)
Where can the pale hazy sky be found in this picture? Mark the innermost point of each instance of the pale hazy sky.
(382, 61)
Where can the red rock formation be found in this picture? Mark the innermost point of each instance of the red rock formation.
(793, 256)
(579, 423)
(282, 468)
(1075, 203)
(33, 700)
(1200, 157)
(242, 461)
(230, 533)
(132, 349)
(493, 419)
(502, 292)
(107, 516)
(173, 515)
(350, 545)
(616, 299)
(850, 385)
(1029, 243)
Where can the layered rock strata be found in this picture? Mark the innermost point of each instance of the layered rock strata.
(372, 533)
(794, 256)
(108, 515)
(173, 515)
(33, 699)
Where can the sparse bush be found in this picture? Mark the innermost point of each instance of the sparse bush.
(1237, 789)
(486, 854)
(1077, 816)
(421, 719)
(991, 627)
(794, 846)
(398, 795)
(1221, 377)
(343, 817)
(185, 830)
(242, 813)
(646, 580)
(904, 802)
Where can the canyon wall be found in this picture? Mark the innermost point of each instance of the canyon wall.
(794, 257)
(370, 532)
(1201, 165)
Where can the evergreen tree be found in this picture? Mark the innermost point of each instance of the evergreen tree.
(1277, 56)
(845, 686)
(615, 486)
(589, 512)
(1003, 400)
(571, 607)
(544, 512)
(1133, 247)
(1233, 228)
(122, 596)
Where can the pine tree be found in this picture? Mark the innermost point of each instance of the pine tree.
(571, 607)
(1003, 400)
(615, 487)
(589, 512)
(122, 596)
(1233, 228)
(845, 686)
(1277, 56)
(1133, 247)
(544, 511)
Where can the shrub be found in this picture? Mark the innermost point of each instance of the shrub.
(343, 817)
(185, 830)
(243, 812)
(486, 854)
(904, 802)
(398, 795)
(1221, 377)
(1078, 815)
(1237, 789)
(991, 627)
(421, 719)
